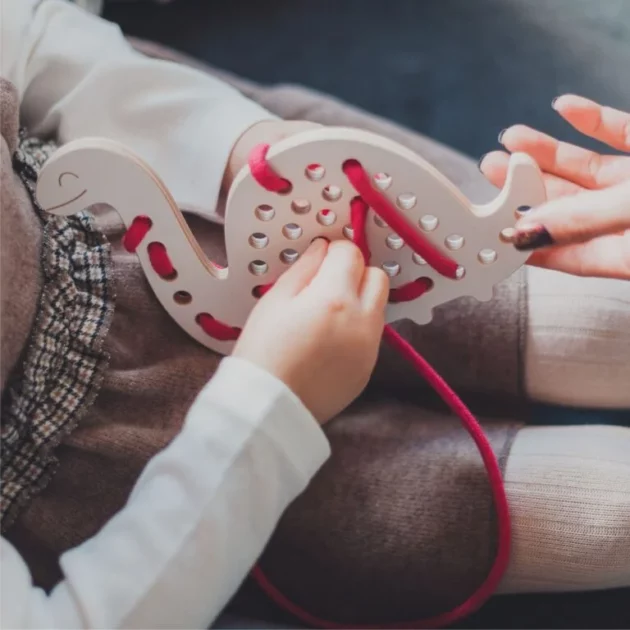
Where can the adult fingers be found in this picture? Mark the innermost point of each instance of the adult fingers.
(606, 124)
(494, 166)
(575, 219)
(578, 165)
(603, 257)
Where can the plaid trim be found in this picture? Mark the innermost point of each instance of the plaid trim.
(65, 362)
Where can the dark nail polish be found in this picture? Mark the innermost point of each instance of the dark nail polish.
(501, 134)
(481, 159)
(533, 237)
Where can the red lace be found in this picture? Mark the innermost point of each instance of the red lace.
(367, 197)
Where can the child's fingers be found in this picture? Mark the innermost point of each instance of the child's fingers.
(568, 161)
(374, 291)
(494, 166)
(341, 272)
(302, 272)
(603, 257)
(575, 219)
(605, 124)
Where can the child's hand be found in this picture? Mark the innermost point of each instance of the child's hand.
(585, 227)
(319, 328)
(264, 132)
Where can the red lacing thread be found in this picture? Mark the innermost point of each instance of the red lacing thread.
(163, 266)
(216, 329)
(263, 173)
(161, 261)
(136, 232)
(410, 291)
(360, 180)
(358, 218)
(267, 178)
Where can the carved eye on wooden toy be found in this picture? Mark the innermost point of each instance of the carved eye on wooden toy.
(429, 239)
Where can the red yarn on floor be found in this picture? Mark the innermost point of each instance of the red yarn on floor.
(370, 197)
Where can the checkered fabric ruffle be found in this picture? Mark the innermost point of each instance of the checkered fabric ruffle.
(64, 362)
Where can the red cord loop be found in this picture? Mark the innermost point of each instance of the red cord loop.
(264, 174)
(411, 291)
(216, 329)
(135, 234)
(161, 261)
(384, 209)
(359, 206)
(358, 218)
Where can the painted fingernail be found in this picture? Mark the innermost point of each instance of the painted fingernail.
(481, 159)
(501, 134)
(532, 237)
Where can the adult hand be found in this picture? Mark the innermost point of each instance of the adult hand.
(584, 228)
(318, 329)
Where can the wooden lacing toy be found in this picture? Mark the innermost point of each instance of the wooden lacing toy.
(338, 183)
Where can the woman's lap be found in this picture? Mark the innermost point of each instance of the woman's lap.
(387, 424)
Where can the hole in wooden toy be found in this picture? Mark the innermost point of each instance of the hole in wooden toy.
(161, 261)
(292, 231)
(182, 297)
(331, 193)
(315, 172)
(382, 180)
(216, 329)
(406, 201)
(301, 206)
(507, 234)
(391, 268)
(454, 242)
(169, 277)
(348, 232)
(428, 283)
(487, 256)
(265, 212)
(380, 221)
(258, 240)
(287, 189)
(523, 210)
(393, 241)
(136, 232)
(418, 259)
(259, 290)
(289, 256)
(326, 217)
(429, 222)
(323, 238)
(460, 273)
(258, 267)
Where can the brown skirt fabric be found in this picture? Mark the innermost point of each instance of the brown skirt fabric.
(398, 524)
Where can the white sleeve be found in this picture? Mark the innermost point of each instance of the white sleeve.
(78, 76)
(195, 523)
